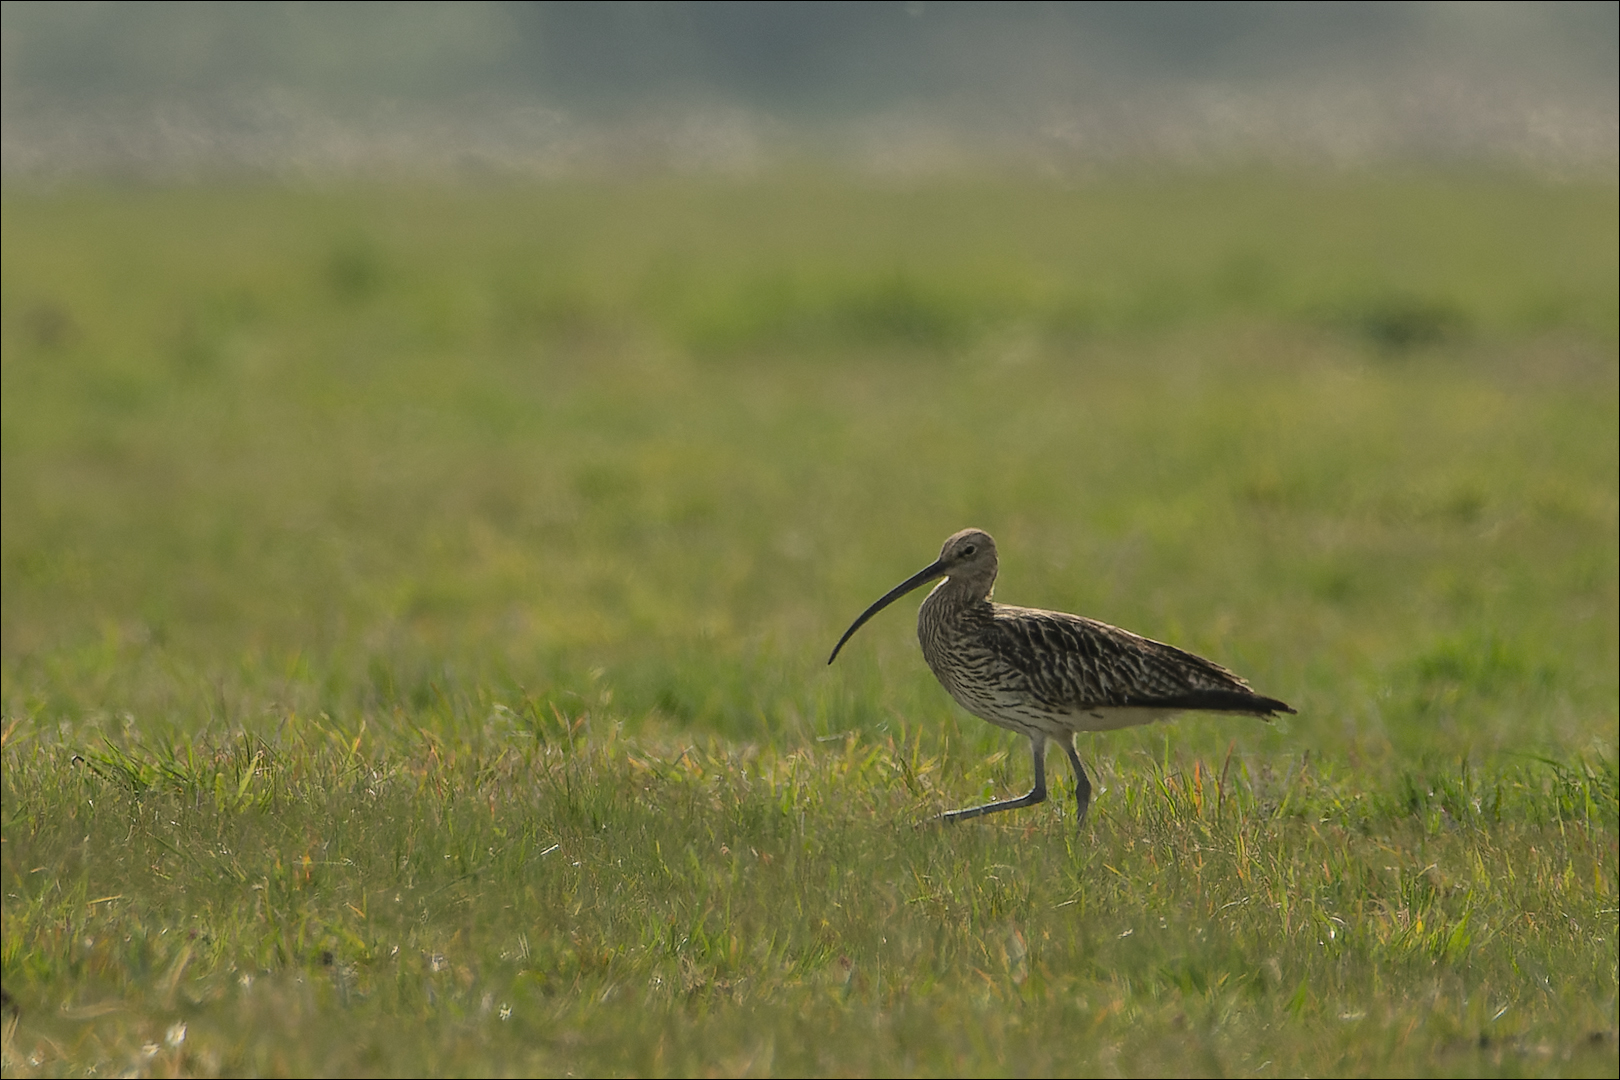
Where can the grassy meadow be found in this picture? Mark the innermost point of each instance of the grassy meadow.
(416, 602)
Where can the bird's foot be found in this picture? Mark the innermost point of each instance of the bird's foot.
(1032, 799)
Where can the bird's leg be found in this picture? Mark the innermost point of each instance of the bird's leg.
(1037, 794)
(1082, 785)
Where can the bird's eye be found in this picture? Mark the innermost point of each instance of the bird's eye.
(969, 550)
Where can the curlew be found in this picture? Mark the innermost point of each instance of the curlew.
(1047, 674)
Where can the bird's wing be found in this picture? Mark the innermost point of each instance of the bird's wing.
(1068, 662)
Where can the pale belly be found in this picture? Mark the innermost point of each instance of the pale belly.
(1017, 713)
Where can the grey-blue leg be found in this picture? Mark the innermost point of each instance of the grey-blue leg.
(1082, 784)
(1037, 794)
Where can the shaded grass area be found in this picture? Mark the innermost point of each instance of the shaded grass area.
(416, 601)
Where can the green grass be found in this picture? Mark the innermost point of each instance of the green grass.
(416, 604)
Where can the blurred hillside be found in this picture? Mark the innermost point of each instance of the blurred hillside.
(168, 89)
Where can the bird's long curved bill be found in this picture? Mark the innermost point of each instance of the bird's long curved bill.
(921, 577)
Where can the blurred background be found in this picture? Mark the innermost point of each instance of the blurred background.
(166, 89)
(503, 364)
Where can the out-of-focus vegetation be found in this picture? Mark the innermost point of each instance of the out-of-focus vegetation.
(362, 545)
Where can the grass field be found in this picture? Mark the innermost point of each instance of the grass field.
(416, 604)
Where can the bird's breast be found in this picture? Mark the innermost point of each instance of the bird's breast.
(959, 643)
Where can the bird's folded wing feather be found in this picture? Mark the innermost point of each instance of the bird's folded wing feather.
(1070, 662)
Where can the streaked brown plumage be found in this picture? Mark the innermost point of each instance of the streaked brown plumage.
(1046, 674)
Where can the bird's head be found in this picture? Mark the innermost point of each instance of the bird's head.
(968, 559)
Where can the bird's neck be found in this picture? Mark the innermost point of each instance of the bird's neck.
(950, 619)
(959, 596)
